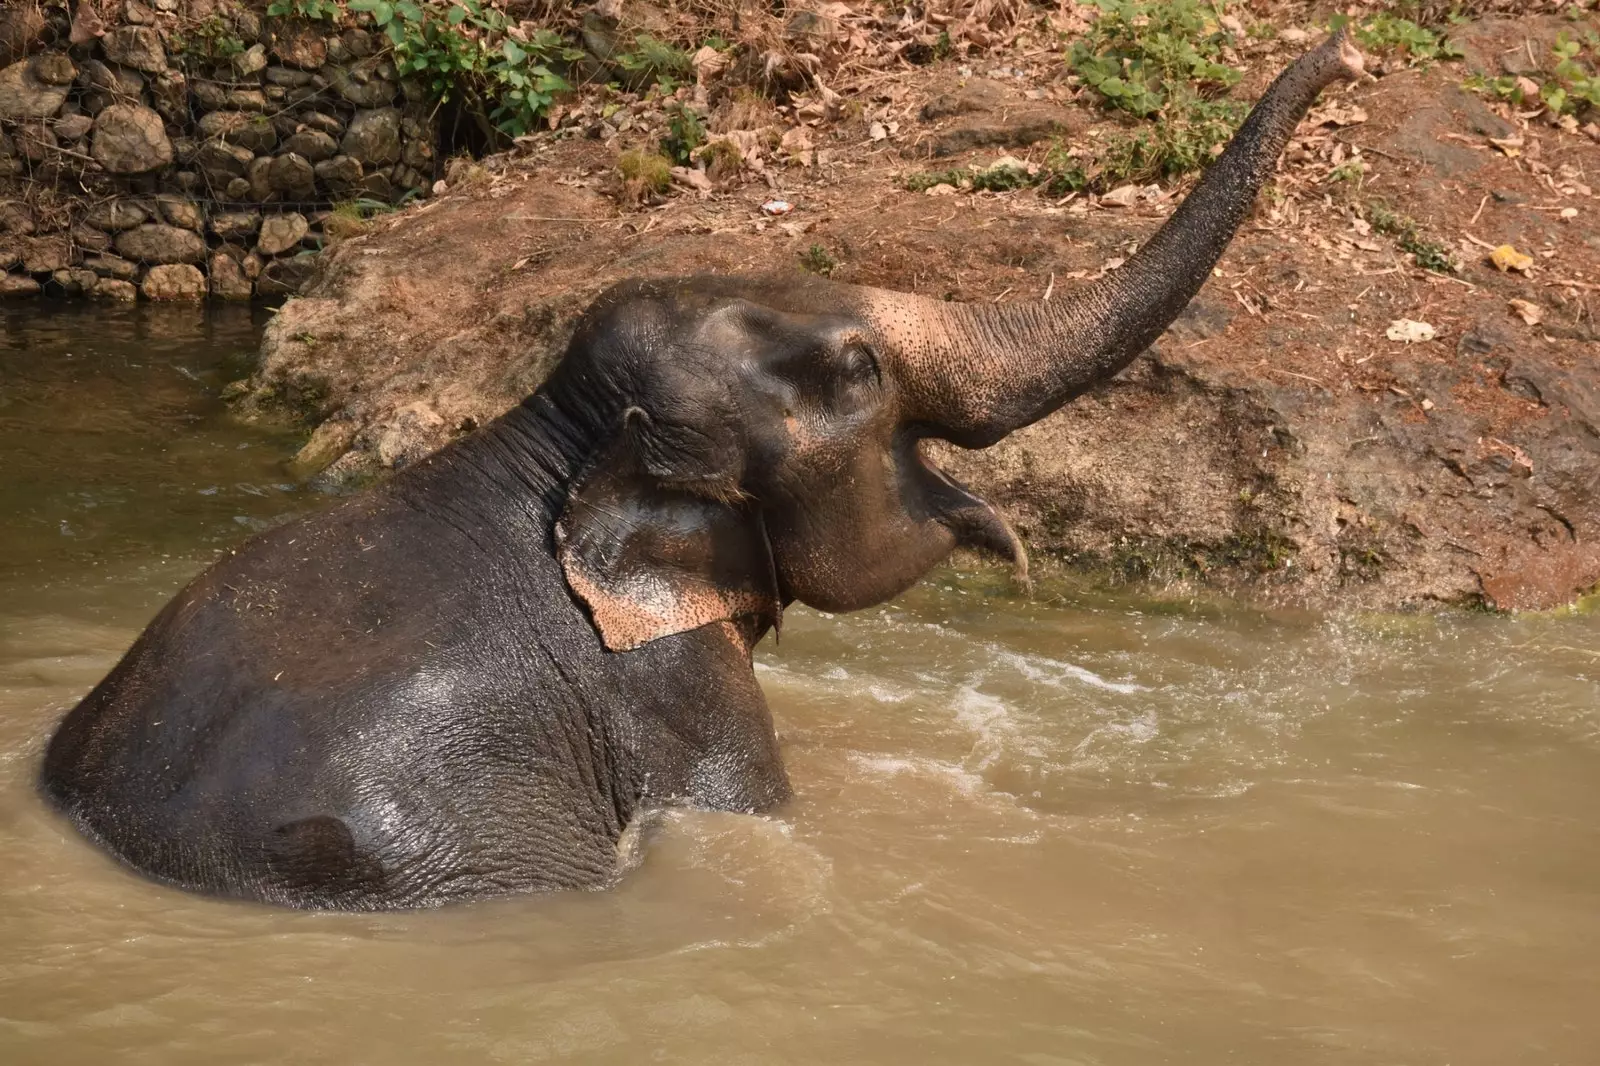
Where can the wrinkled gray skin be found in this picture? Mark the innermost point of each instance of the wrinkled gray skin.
(467, 681)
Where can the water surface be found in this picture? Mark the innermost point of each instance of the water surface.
(1078, 829)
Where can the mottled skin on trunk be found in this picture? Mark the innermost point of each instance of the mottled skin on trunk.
(468, 680)
(984, 371)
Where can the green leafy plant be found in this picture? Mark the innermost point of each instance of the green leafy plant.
(685, 132)
(1144, 57)
(1568, 89)
(1428, 254)
(655, 61)
(1384, 32)
(817, 260)
(315, 10)
(1182, 141)
(468, 51)
(211, 40)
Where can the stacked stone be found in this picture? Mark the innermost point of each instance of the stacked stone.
(175, 177)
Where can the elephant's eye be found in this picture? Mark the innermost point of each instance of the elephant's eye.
(860, 365)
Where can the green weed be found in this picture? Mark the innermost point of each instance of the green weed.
(314, 10)
(1144, 57)
(1388, 33)
(686, 131)
(645, 171)
(655, 61)
(817, 260)
(1568, 89)
(1429, 254)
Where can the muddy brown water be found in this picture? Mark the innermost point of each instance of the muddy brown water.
(1077, 829)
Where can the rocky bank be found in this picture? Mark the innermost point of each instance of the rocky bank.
(189, 148)
(1329, 423)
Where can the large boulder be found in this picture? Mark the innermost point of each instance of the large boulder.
(293, 177)
(54, 68)
(221, 162)
(247, 130)
(138, 47)
(118, 290)
(178, 281)
(182, 212)
(130, 139)
(227, 278)
(114, 216)
(373, 137)
(17, 285)
(312, 144)
(159, 243)
(279, 233)
(24, 96)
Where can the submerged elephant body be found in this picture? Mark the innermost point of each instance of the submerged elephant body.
(467, 681)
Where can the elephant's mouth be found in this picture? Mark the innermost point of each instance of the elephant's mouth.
(973, 521)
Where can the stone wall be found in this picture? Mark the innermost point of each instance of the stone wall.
(192, 148)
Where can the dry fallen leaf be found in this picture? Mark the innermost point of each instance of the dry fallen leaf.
(1506, 258)
(878, 132)
(942, 189)
(1408, 331)
(1122, 196)
(1511, 146)
(1530, 313)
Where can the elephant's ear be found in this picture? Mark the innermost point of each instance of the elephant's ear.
(652, 559)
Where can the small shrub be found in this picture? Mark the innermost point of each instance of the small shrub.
(314, 10)
(655, 61)
(1142, 57)
(644, 172)
(685, 132)
(211, 41)
(816, 260)
(1177, 144)
(1569, 89)
(1384, 32)
(1429, 254)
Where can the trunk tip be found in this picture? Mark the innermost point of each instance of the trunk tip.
(1352, 63)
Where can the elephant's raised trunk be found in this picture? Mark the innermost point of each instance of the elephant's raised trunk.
(976, 373)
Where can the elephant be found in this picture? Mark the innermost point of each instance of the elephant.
(468, 680)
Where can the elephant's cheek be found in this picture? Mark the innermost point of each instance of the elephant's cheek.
(838, 575)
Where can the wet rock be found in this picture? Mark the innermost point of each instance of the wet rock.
(186, 182)
(288, 77)
(293, 176)
(112, 266)
(221, 162)
(118, 290)
(237, 189)
(178, 281)
(24, 96)
(18, 285)
(340, 174)
(227, 278)
(238, 127)
(89, 239)
(259, 173)
(155, 242)
(54, 68)
(299, 44)
(373, 137)
(73, 127)
(185, 214)
(319, 120)
(252, 60)
(283, 277)
(185, 150)
(45, 255)
(252, 264)
(130, 139)
(114, 216)
(279, 233)
(314, 145)
(72, 282)
(138, 47)
(234, 225)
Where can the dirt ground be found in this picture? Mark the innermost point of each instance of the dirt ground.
(1276, 440)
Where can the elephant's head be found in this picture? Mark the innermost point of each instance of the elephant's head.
(758, 441)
